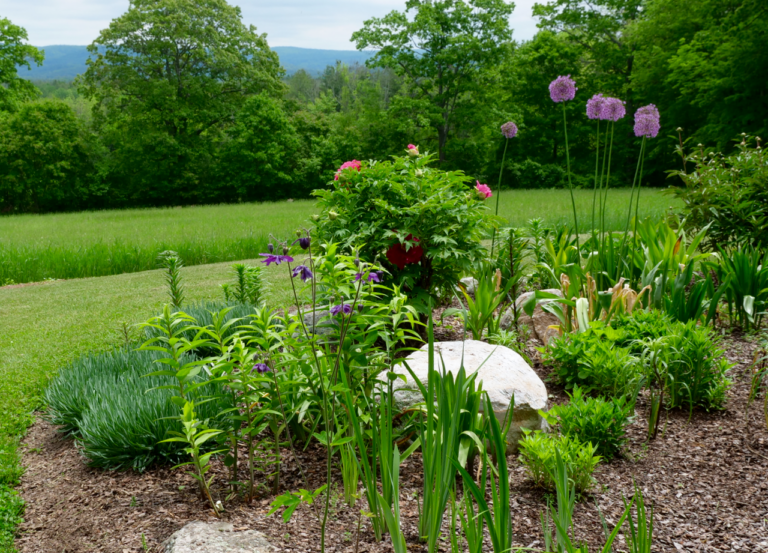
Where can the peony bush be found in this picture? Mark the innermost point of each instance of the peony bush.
(422, 224)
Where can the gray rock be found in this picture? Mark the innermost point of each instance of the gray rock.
(538, 324)
(503, 373)
(471, 284)
(320, 322)
(217, 537)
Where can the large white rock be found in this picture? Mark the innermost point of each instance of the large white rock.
(539, 324)
(504, 374)
(217, 537)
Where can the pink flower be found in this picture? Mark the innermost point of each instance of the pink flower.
(354, 164)
(483, 189)
(413, 151)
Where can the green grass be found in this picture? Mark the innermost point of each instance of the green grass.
(99, 243)
(554, 208)
(45, 326)
(77, 245)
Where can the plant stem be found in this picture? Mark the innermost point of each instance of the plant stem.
(629, 213)
(637, 202)
(594, 194)
(498, 192)
(570, 186)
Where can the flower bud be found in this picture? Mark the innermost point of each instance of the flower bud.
(679, 129)
(304, 242)
(413, 151)
(285, 250)
(271, 248)
(299, 234)
(315, 217)
(332, 215)
(419, 173)
(357, 261)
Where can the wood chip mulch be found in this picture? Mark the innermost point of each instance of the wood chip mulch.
(707, 477)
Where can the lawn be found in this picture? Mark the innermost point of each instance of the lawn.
(44, 326)
(77, 245)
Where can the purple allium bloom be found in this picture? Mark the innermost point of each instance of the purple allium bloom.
(595, 106)
(261, 368)
(509, 130)
(344, 308)
(276, 259)
(302, 271)
(613, 109)
(647, 121)
(562, 89)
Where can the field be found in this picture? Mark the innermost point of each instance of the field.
(44, 326)
(34, 248)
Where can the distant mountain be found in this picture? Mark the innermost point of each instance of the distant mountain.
(66, 62)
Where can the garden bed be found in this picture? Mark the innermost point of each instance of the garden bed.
(707, 477)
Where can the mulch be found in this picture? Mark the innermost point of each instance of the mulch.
(707, 477)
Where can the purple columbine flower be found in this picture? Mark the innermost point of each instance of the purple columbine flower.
(304, 242)
(562, 89)
(595, 106)
(303, 272)
(276, 259)
(261, 368)
(509, 130)
(613, 109)
(373, 276)
(343, 308)
(647, 121)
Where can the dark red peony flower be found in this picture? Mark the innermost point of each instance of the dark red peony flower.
(400, 257)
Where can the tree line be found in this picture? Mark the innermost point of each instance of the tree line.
(182, 103)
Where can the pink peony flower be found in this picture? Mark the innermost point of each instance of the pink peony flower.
(354, 164)
(413, 151)
(483, 189)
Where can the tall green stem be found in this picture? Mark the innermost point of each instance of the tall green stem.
(594, 194)
(498, 191)
(629, 212)
(570, 186)
(637, 202)
(607, 180)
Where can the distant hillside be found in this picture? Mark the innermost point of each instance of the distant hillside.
(66, 62)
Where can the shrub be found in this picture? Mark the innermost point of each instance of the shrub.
(696, 368)
(728, 194)
(595, 420)
(424, 224)
(103, 400)
(592, 361)
(638, 326)
(537, 453)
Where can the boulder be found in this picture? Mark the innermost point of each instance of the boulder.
(538, 324)
(504, 374)
(216, 537)
(471, 285)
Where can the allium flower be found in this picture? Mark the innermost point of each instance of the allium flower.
(562, 89)
(261, 368)
(343, 308)
(276, 259)
(413, 151)
(354, 164)
(400, 257)
(595, 106)
(613, 109)
(647, 121)
(509, 130)
(483, 190)
(302, 271)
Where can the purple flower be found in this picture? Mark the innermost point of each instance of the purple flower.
(509, 130)
(261, 368)
(595, 106)
(276, 259)
(647, 121)
(373, 276)
(302, 271)
(303, 242)
(562, 89)
(613, 109)
(344, 308)
(270, 247)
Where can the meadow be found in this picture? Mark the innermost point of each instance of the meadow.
(34, 248)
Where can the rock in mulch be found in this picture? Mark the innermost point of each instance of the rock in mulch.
(538, 324)
(470, 284)
(216, 537)
(503, 372)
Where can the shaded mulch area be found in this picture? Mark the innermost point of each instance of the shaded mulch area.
(707, 476)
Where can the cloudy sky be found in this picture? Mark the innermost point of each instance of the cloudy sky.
(325, 24)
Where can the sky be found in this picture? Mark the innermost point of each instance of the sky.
(321, 24)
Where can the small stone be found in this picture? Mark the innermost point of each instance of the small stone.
(471, 285)
(503, 373)
(217, 537)
(538, 324)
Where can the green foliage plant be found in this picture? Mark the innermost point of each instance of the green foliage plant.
(640, 535)
(11, 511)
(595, 420)
(392, 203)
(172, 263)
(481, 311)
(538, 453)
(16, 54)
(759, 379)
(744, 272)
(248, 287)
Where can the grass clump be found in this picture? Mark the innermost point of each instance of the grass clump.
(117, 413)
(11, 509)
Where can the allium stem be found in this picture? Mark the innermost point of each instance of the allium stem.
(637, 202)
(570, 186)
(629, 214)
(498, 192)
(594, 194)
